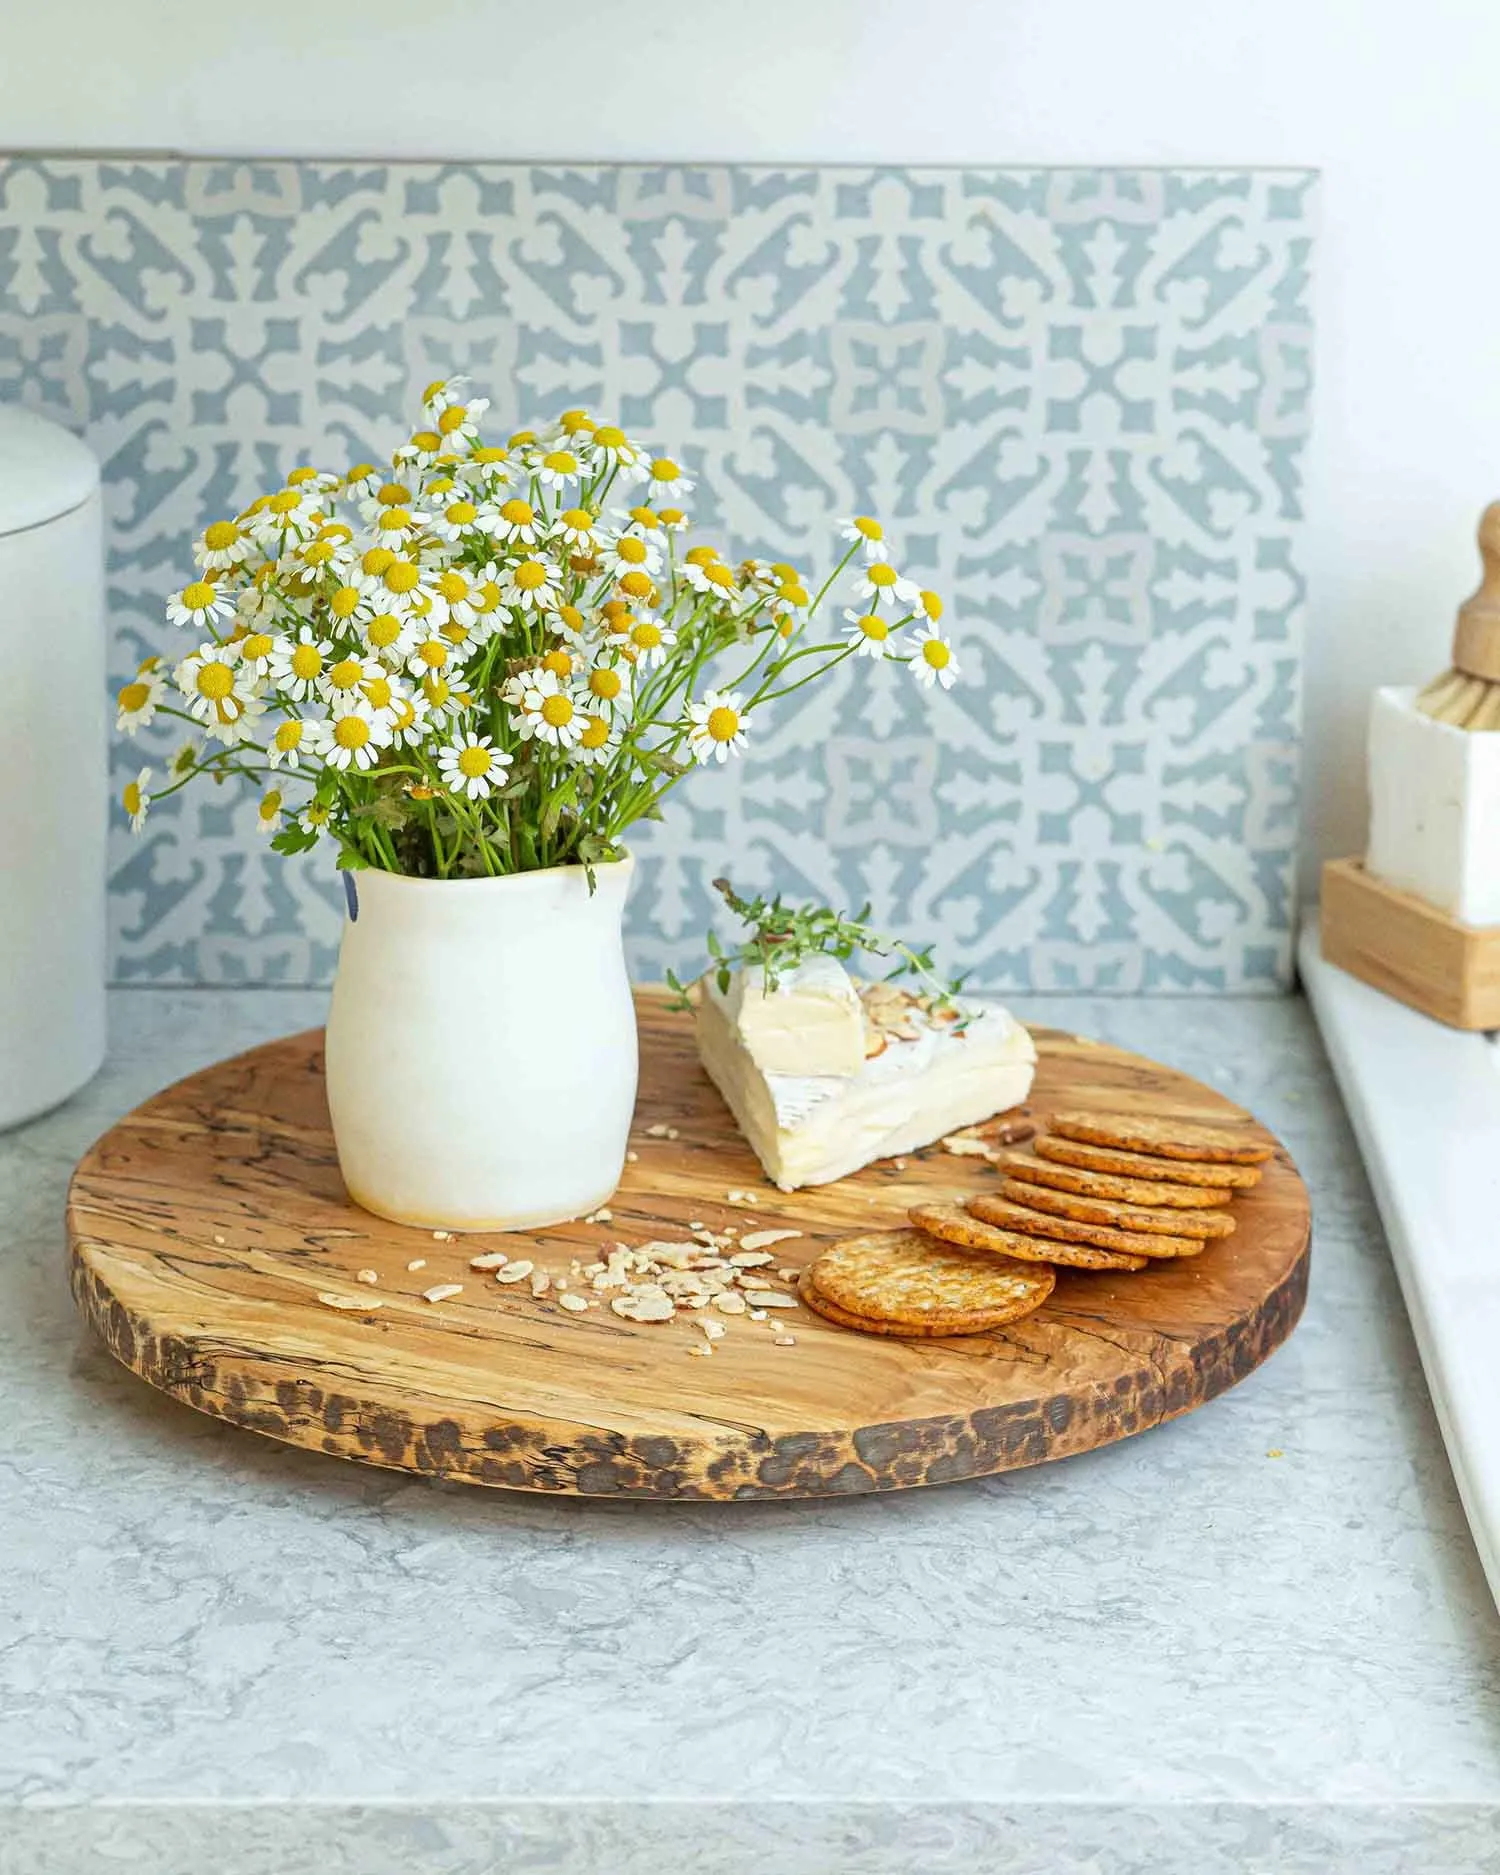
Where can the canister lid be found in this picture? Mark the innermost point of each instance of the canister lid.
(44, 470)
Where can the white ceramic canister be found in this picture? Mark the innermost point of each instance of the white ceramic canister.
(481, 1048)
(54, 766)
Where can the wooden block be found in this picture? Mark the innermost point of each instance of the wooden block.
(1410, 949)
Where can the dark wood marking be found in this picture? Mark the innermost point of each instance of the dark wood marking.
(203, 1226)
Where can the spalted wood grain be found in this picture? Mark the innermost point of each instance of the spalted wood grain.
(204, 1225)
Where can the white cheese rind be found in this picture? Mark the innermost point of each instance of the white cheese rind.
(812, 1022)
(1434, 809)
(811, 1129)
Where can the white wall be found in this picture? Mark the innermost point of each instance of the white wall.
(1399, 104)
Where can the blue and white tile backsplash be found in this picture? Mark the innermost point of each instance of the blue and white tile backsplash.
(1079, 399)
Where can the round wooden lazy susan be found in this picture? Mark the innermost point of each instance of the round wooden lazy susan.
(204, 1227)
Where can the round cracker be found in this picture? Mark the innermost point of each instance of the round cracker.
(1209, 1225)
(953, 1224)
(1142, 1165)
(813, 1298)
(1032, 1223)
(905, 1276)
(1163, 1138)
(1147, 1191)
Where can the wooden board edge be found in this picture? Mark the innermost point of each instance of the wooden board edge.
(1406, 948)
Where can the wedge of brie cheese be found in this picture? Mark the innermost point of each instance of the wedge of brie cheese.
(824, 1075)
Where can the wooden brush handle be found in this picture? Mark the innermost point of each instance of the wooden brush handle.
(1476, 637)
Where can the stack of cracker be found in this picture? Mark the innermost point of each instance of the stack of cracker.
(1095, 1192)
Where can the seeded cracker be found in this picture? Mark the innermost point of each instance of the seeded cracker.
(1208, 1225)
(952, 1224)
(1141, 1165)
(1165, 1139)
(1029, 1223)
(1147, 1191)
(904, 1277)
(867, 1325)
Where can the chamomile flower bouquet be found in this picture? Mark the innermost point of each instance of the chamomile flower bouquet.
(489, 659)
(473, 670)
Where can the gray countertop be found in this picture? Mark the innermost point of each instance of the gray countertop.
(1256, 1638)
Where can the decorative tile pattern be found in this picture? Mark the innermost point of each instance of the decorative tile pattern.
(1079, 400)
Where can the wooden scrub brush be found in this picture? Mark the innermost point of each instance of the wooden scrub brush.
(1468, 696)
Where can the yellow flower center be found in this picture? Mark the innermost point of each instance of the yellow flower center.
(435, 389)
(377, 560)
(306, 661)
(702, 556)
(460, 513)
(393, 495)
(474, 762)
(286, 501)
(530, 576)
(561, 462)
(317, 816)
(351, 732)
(288, 736)
(872, 530)
(318, 552)
(489, 453)
(132, 797)
(405, 714)
(215, 681)
(487, 597)
(256, 645)
(637, 584)
(377, 692)
(270, 805)
(453, 586)
(931, 605)
(632, 550)
(645, 517)
(434, 653)
(596, 734)
(605, 685)
(384, 630)
(874, 627)
(198, 596)
(671, 517)
(664, 469)
(882, 575)
(437, 690)
(572, 421)
(299, 476)
(518, 513)
(455, 633)
(792, 593)
(344, 602)
(576, 520)
(453, 418)
(719, 575)
(395, 521)
(133, 697)
(609, 437)
(723, 723)
(401, 576)
(571, 617)
(559, 662)
(557, 710)
(937, 654)
(647, 635)
(427, 440)
(345, 674)
(220, 534)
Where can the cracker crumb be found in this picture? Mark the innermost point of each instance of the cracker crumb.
(757, 1315)
(541, 1282)
(713, 1330)
(602, 1216)
(900, 1164)
(442, 1292)
(367, 1276)
(218, 1239)
(443, 1236)
(632, 1156)
(785, 1341)
(658, 1129)
(417, 1263)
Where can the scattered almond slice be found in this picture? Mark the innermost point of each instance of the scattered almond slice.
(514, 1272)
(491, 1260)
(417, 1263)
(541, 1282)
(575, 1304)
(773, 1299)
(751, 1259)
(332, 1301)
(442, 1292)
(763, 1239)
(367, 1276)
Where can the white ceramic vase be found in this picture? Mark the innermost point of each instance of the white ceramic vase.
(482, 1047)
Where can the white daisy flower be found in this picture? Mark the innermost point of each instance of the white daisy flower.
(644, 521)
(289, 743)
(631, 553)
(528, 586)
(473, 767)
(713, 578)
(138, 701)
(392, 527)
(519, 691)
(385, 495)
(184, 760)
(550, 711)
(614, 448)
(361, 479)
(343, 678)
(408, 717)
(596, 744)
(558, 467)
(253, 603)
(200, 605)
(421, 450)
(648, 643)
(930, 605)
(514, 523)
(268, 815)
(577, 529)
(136, 801)
(390, 636)
(882, 581)
(870, 634)
(222, 544)
(402, 586)
(454, 598)
(350, 737)
(291, 514)
(933, 661)
(458, 422)
(608, 686)
(459, 516)
(864, 533)
(669, 481)
(256, 649)
(444, 698)
(485, 468)
(433, 655)
(297, 664)
(717, 726)
(574, 628)
(215, 687)
(314, 817)
(443, 392)
(672, 519)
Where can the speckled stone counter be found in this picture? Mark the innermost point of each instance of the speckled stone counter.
(1255, 1639)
